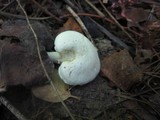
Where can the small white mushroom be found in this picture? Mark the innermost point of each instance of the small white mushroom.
(79, 59)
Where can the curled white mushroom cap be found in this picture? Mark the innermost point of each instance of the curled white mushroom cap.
(79, 59)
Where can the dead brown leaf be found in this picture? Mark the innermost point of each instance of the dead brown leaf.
(48, 93)
(19, 67)
(71, 24)
(134, 15)
(21, 31)
(121, 70)
(18, 51)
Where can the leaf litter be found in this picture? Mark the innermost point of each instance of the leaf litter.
(47, 93)
(19, 60)
(135, 74)
(121, 70)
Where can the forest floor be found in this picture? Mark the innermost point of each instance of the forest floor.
(126, 34)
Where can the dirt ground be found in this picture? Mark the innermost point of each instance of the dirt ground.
(126, 35)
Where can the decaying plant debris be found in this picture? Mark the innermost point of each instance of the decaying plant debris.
(126, 34)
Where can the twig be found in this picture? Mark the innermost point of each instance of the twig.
(125, 98)
(41, 61)
(141, 101)
(117, 23)
(97, 10)
(7, 6)
(80, 23)
(112, 37)
(148, 84)
(153, 63)
(39, 112)
(46, 11)
(109, 106)
(131, 98)
(89, 15)
(152, 74)
(140, 93)
(101, 14)
(69, 3)
(42, 4)
(23, 17)
(149, 103)
(156, 53)
(10, 107)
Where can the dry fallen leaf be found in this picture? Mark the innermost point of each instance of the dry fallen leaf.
(19, 29)
(19, 67)
(71, 24)
(121, 70)
(48, 93)
(135, 15)
(18, 52)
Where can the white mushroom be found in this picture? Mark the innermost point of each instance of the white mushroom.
(79, 59)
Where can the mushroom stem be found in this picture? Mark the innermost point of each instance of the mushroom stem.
(54, 56)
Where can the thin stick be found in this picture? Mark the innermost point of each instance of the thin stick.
(45, 18)
(138, 100)
(90, 15)
(101, 14)
(80, 22)
(97, 10)
(112, 37)
(8, 5)
(42, 4)
(71, 4)
(117, 23)
(41, 61)
(23, 17)
(46, 11)
(10, 107)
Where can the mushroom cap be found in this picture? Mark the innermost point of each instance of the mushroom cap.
(79, 57)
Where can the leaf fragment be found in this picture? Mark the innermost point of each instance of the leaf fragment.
(48, 93)
(121, 70)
